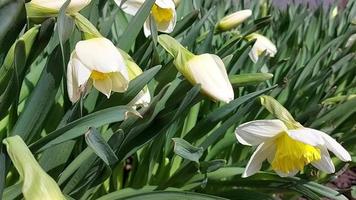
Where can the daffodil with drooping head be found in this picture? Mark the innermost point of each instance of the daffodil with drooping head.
(208, 70)
(262, 44)
(233, 20)
(287, 145)
(50, 8)
(163, 13)
(99, 63)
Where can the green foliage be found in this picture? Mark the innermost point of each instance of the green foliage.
(182, 146)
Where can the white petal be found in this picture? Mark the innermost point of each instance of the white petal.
(72, 84)
(130, 6)
(307, 136)
(82, 73)
(74, 6)
(147, 27)
(166, 4)
(257, 132)
(325, 163)
(209, 71)
(143, 98)
(290, 174)
(119, 82)
(257, 158)
(104, 86)
(100, 54)
(253, 54)
(335, 147)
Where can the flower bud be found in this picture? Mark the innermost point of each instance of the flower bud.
(50, 8)
(208, 70)
(233, 20)
(36, 183)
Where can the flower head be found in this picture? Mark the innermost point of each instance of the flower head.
(233, 20)
(163, 12)
(47, 8)
(36, 183)
(262, 44)
(288, 150)
(208, 70)
(99, 63)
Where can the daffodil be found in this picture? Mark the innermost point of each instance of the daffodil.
(262, 44)
(288, 150)
(36, 183)
(143, 98)
(99, 63)
(208, 70)
(163, 13)
(233, 20)
(48, 8)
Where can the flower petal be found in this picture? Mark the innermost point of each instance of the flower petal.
(72, 83)
(119, 82)
(209, 71)
(257, 158)
(100, 54)
(335, 147)
(256, 132)
(166, 4)
(307, 136)
(104, 86)
(130, 6)
(325, 163)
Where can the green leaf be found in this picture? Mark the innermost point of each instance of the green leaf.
(185, 150)
(100, 147)
(249, 79)
(171, 195)
(13, 20)
(80, 126)
(135, 25)
(41, 100)
(212, 165)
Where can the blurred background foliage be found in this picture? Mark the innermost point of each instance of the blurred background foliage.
(184, 144)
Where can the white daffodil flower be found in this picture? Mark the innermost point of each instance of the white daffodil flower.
(233, 20)
(163, 12)
(99, 63)
(261, 45)
(208, 70)
(288, 150)
(41, 8)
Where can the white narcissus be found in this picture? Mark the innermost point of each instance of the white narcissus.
(208, 70)
(288, 150)
(36, 8)
(99, 63)
(261, 44)
(163, 13)
(233, 20)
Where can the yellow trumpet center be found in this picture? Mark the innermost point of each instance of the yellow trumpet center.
(292, 155)
(95, 75)
(161, 15)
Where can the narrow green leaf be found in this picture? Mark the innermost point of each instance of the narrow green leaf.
(100, 147)
(186, 150)
(135, 25)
